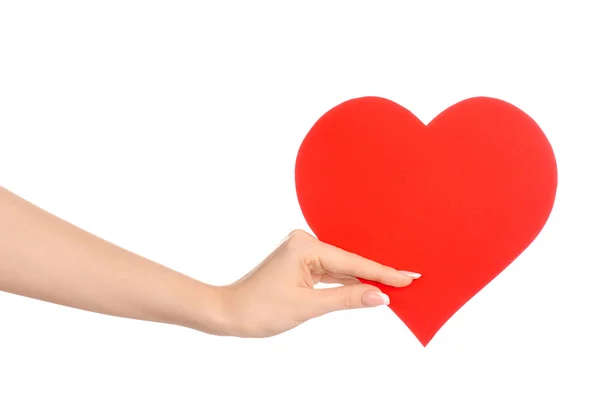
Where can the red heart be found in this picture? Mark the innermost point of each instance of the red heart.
(456, 200)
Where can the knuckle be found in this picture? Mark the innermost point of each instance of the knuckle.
(295, 238)
(346, 300)
(297, 245)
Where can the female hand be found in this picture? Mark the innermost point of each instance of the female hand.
(278, 294)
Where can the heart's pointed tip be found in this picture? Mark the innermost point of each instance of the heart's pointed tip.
(425, 339)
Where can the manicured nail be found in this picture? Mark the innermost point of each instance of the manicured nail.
(412, 275)
(374, 298)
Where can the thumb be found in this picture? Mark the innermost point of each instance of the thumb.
(349, 297)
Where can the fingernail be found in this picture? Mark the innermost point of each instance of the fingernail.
(374, 298)
(412, 275)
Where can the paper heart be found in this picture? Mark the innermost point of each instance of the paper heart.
(456, 200)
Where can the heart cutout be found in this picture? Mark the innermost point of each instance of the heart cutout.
(456, 200)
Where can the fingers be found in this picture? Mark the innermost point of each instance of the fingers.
(347, 297)
(336, 260)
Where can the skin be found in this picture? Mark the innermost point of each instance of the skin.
(46, 258)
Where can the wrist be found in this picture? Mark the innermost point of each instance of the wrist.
(210, 311)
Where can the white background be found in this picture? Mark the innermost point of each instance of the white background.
(171, 129)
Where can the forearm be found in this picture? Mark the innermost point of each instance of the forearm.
(46, 258)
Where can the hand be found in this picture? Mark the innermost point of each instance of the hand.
(278, 294)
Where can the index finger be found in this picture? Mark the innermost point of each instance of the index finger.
(339, 261)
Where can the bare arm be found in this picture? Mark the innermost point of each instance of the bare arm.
(46, 258)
